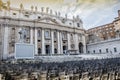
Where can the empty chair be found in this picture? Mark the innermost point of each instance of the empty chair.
(104, 77)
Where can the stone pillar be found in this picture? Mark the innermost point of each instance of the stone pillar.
(17, 34)
(36, 43)
(0, 76)
(61, 44)
(0, 42)
(31, 35)
(118, 13)
(52, 41)
(6, 44)
(84, 43)
(76, 42)
(58, 40)
(68, 40)
(43, 42)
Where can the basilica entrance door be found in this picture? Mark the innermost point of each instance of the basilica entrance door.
(64, 49)
(80, 47)
(47, 47)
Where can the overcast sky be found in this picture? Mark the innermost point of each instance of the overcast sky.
(92, 12)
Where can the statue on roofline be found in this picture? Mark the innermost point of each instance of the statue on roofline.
(1, 4)
(5, 6)
(8, 5)
(32, 8)
(36, 8)
(21, 6)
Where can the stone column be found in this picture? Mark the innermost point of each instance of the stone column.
(0, 42)
(31, 35)
(0, 76)
(6, 44)
(36, 43)
(43, 42)
(76, 42)
(61, 44)
(17, 34)
(58, 40)
(84, 43)
(68, 40)
(52, 41)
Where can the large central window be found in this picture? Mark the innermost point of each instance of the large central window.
(47, 34)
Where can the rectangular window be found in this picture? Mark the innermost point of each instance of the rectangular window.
(107, 50)
(39, 33)
(47, 34)
(27, 16)
(93, 51)
(115, 50)
(64, 36)
(88, 51)
(39, 51)
(100, 51)
(55, 35)
(14, 13)
(78, 25)
(80, 37)
(38, 40)
(39, 17)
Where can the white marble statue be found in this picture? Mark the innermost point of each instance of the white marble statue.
(23, 34)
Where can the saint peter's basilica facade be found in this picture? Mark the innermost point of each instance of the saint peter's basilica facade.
(48, 31)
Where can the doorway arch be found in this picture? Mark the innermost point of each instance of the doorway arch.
(80, 47)
(64, 49)
(47, 47)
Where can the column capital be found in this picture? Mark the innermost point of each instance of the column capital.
(42, 28)
(52, 30)
(31, 26)
(57, 30)
(69, 32)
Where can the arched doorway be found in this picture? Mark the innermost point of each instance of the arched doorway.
(39, 51)
(55, 51)
(47, 47)
(64, 49)
(80, 47)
